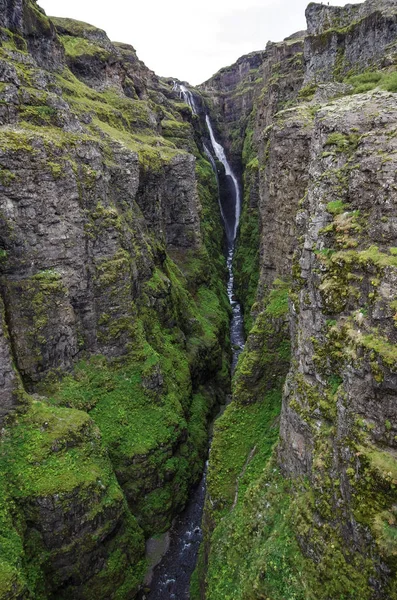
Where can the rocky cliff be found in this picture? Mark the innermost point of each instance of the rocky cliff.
(114, 343)
(114, 317)
(310, 512)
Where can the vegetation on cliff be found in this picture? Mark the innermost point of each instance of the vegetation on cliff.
(114, 343)
(315, 516)
(118, 327)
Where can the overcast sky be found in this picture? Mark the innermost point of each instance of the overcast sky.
(189, 40)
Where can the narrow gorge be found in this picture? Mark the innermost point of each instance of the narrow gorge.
(196, 276)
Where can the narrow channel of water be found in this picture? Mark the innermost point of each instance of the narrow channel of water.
(170, 579)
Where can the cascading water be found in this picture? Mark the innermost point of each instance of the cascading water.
(221, 156)
(186, 95)
(231, 217)
(170, 579)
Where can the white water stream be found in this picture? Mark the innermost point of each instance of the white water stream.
(170, 579)
(221, 156)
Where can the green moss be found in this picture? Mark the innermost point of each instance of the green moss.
(6, 177)
(343, 143)
(371, 255)
(12, 575)
(16, 141)
(386, 532)
(307, 92)
(277, 305)
(370, 80)
(134, 425)
(57, 453)
(36, 468)
(336, 207)
(78, 28)
(123, 569)
(239, 431)
(78, 46)
(265, 360)
(381, 346)
(254, 553)
(39, 115)
(196, 586)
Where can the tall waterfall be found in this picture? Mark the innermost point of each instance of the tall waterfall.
(221, 156)
(219, 151)
(186, 95)
(170, 579)
(230, 211)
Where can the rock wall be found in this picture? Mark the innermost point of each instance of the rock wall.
(114, 318)
(231, 94)
(311, 513)
(347, 40)
(342, 374)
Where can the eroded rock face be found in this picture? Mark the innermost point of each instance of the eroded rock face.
(29, 22)
(169, 201)
(232, 92)
(111, 352)
(342, 39)
(345, 367)
(320, 180)
(321, 17)
(8, 378)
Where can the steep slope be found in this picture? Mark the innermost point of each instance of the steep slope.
(114, 343)
(313, 516)
(114, 318)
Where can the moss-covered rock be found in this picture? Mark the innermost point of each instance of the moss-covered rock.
(102, 181)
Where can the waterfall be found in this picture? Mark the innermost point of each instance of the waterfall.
(230, 213)
(219, 151)
(213, 165)
(170, 579)
(186, 95)
(221, 156)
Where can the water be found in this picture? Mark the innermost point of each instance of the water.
(221, 156)
(186, 95)
(170, 579)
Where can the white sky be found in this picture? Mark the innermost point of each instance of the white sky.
(189, 40)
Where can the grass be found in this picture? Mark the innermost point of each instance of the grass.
(364, 82)
(56, 454)
(336, 207)
(342, 143)
(37, 469)
(237, 432)
(78, 46)
(277, 305)
(254, 553)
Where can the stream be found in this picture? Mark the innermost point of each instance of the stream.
(170, 578)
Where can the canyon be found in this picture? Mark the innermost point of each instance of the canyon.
(126, 267)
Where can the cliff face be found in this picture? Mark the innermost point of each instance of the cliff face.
(231, 93)
(114, 320)
(338, 417)
(311, 514)
(345, 39)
